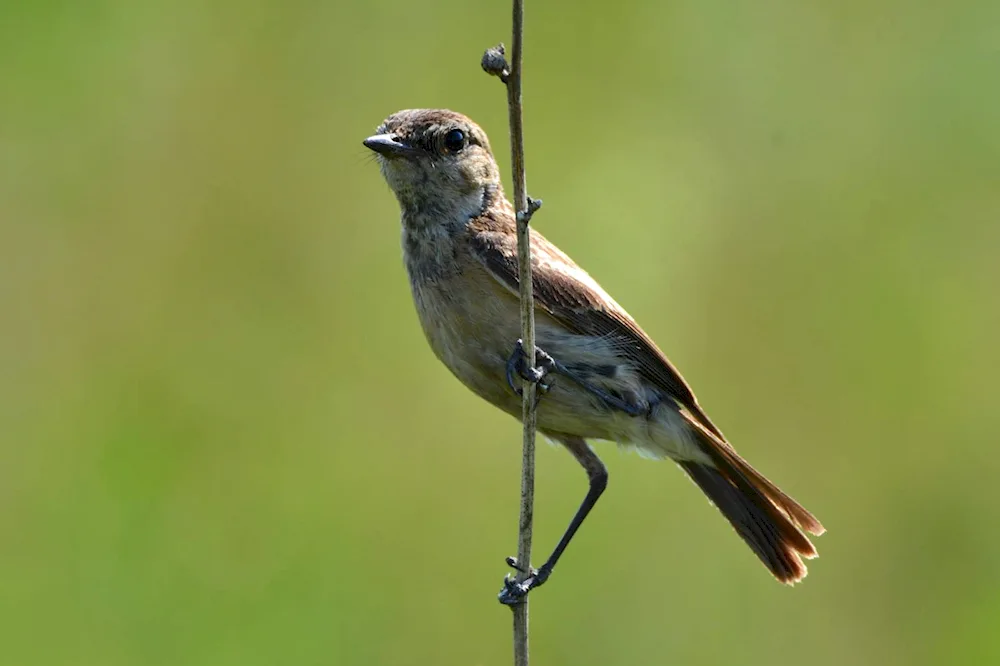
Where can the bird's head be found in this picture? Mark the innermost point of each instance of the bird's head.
(437, 162)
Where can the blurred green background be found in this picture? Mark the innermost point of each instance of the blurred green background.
(223, 439)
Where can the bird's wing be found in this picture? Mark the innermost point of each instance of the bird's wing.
(568, 294)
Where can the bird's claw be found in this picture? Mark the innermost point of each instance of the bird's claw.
(514, 591)
(513, 564)
(516, 365)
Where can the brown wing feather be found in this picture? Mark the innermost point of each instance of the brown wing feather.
(567, 293)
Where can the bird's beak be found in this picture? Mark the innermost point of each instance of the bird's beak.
(388, 145)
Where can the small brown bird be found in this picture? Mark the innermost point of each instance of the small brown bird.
(603, 377)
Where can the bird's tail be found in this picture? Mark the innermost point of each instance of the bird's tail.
(770, 522)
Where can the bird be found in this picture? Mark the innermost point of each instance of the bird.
(600, 376)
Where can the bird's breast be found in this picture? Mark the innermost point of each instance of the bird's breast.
(471, 323)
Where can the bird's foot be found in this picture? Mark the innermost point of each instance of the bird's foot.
(517, 364)
(546, 367)
(515, 591)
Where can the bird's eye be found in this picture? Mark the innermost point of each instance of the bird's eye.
(454, 140)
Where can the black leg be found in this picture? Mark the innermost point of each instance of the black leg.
(513, 592)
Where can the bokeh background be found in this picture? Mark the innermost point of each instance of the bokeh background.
(223, 439)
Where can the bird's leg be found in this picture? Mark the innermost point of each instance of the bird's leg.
(513, 592)
(546, 365)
